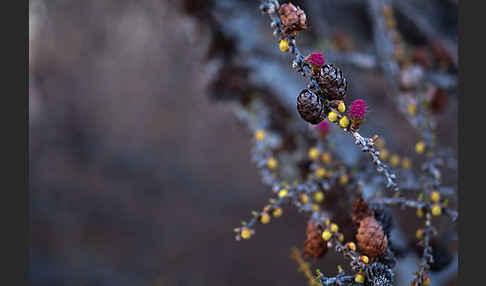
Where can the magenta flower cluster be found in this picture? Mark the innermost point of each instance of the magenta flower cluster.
(358, 109)
(316, 59)
(323, 127)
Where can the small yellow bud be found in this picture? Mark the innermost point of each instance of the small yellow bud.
(359, 278)
(394, 160)
(420, 147)
(332, 116)
(406, 163)
(334, 227)
(343, 180)
(326, 235)
(260, 135)
(326, 158)
(315, 207)
(245, 233)
(344, 122)
(436, 210)
(320, 173)
(420, 213)
(327, 222)
(341, 107)
(319, 197)
(265, 218)
(283, 193)
(435, 196)
(340, 268)
(419, 234)
(277, 212)
(304, 198)
(412, 109)
(284, 46)
(351, 246)
(313, 153)
(272, 163)
(384, 154)
(364, 259)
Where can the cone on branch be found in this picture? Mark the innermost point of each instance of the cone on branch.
(380, 275)
(310, 107)
(314, 246)
(332, 82)
(372, 241)
(293, 19)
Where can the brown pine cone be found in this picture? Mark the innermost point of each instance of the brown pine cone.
(293, 18)
(371, 238)
(331, 80)
(361, 210)
(310, 107)
(314, 246)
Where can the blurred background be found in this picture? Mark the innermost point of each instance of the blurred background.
(139, 172)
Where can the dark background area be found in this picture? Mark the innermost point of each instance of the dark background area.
(136, 176)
